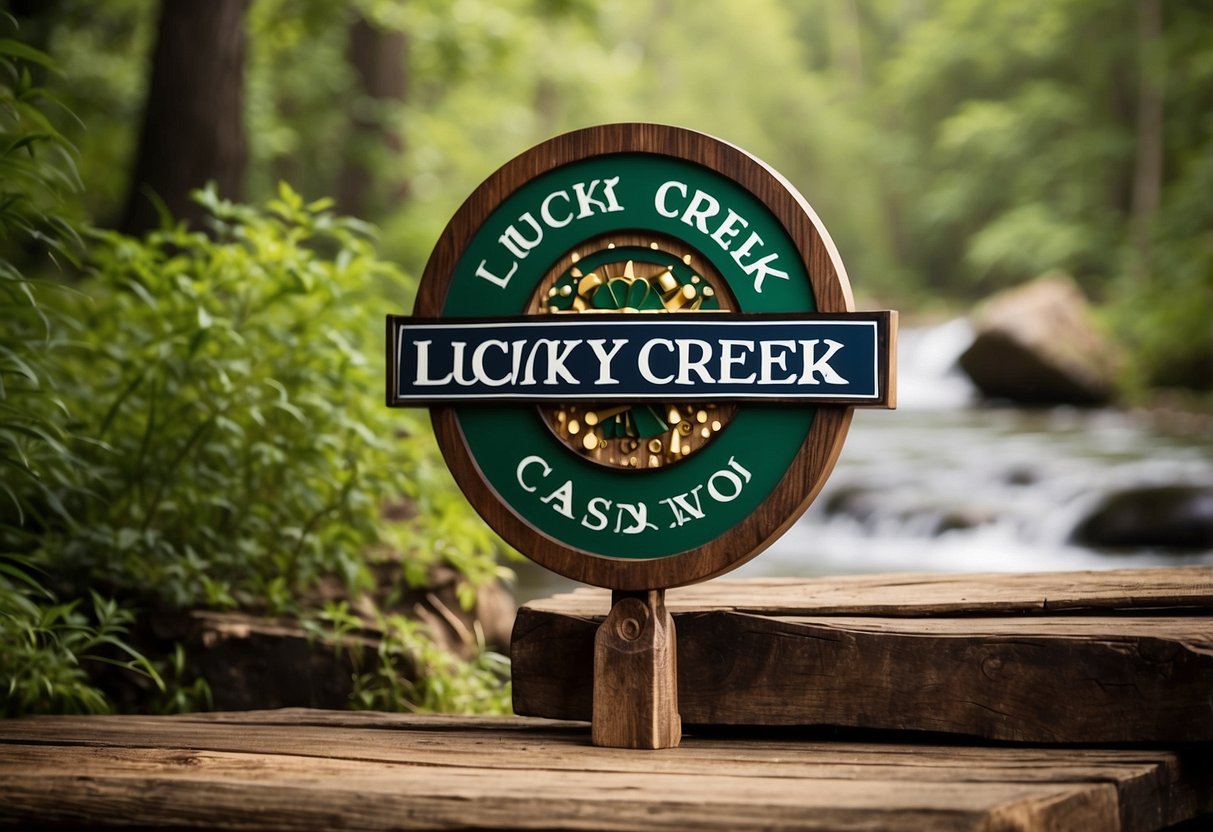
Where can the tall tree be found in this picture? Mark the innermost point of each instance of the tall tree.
(193, 125)
(375, 146)
(1148, 163)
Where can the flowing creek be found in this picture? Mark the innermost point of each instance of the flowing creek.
(947, 484)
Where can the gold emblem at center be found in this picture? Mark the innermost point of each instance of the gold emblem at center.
(630, 273)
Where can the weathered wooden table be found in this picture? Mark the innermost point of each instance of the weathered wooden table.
(1148, 633)
(300, 769)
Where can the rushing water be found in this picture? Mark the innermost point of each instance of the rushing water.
(944, 483)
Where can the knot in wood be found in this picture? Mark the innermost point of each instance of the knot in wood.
(631, 617)
(991, 666)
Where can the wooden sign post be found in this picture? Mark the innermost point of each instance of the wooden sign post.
(636, 674)
(640, 354)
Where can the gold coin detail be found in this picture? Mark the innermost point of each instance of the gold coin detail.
(634, 274)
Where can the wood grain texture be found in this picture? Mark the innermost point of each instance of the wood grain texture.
(1173, 589)
(750, 659)
(635, 701)
(301, 769)
(831, 289)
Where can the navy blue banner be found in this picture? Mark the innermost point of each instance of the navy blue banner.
(816, 358)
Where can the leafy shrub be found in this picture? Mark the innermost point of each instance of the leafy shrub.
(412, 673)
(1164, 314)
(231, 389)
(36, 172)
(243, 448)
(200, 422)
(43, 643)
(43, 646)
(408, 671)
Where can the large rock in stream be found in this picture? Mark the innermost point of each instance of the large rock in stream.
(1035, 344)
(1170, 517)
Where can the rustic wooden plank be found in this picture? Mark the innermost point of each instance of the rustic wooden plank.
(1026, 679)
(445, 723)
(1151, 788)
(920, 594)
(248, 792)
(563, 748)
(152, 781)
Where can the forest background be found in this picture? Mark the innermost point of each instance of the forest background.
(191, 414)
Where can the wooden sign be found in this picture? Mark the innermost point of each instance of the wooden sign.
(640, 352)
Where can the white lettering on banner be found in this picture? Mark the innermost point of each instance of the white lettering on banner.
(643, 361)
(702, 206)
(605, 358)
(545, 362)
(724, 486)
(556, 359)
(662, 193)
(601, 514)
(728, 359)
(639, 514)
(687, 365)
(482, 271)
(522, 236)
(478, 362)
(821, 363)
(587, 203)
(770, 361)
(423, 366)
(728, 229)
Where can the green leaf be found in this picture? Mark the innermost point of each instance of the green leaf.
(15, 49)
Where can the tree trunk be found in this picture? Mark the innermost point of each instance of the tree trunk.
(1147, 171)
(193, 125)
(845, 42)
(371, 177)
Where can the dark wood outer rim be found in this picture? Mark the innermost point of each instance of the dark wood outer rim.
(831, 290)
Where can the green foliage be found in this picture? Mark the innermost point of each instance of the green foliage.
(225, 444)
(1008, 141)
(407, 671)
(101, 52)
(37, 173)
(179, 695)
(242, 448)
(414, 674)
(1166, 316)
(44, 643)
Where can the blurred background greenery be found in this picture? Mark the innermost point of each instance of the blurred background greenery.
(190, 415)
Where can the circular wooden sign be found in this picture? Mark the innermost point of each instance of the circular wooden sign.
(639, 222)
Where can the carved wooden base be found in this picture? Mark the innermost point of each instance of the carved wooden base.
(636, 674)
